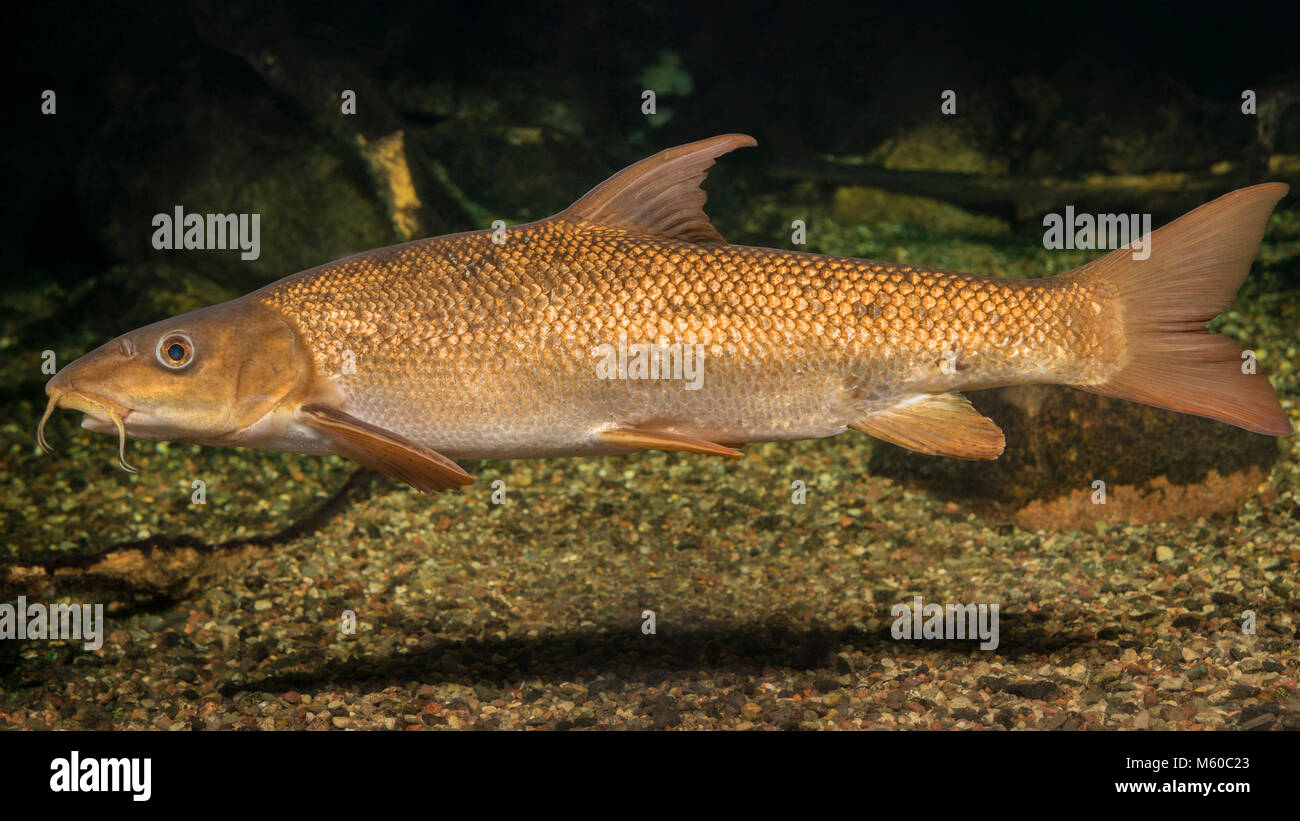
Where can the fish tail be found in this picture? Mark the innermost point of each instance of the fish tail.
(1194, 268)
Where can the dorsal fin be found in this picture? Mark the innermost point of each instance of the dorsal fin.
(660, 195)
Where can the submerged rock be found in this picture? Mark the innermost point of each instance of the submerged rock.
(1061, 441)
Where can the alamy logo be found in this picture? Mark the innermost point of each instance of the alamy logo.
(53, 621)
(77, 774)
(1099, 231)
(641, 360)
(953, 621)
(207, 232)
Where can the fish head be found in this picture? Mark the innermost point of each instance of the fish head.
(207, 377)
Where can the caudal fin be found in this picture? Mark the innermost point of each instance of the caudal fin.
(1196, 265)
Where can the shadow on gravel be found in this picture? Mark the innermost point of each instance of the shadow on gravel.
(582, 656)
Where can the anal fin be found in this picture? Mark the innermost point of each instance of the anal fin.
(645, 439)
(944, 424)
(382, 450)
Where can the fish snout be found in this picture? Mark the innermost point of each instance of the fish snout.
(58, 386)
(100, 410)
(60, 383)
(79, 385)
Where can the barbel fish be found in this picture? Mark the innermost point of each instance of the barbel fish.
(569, 336)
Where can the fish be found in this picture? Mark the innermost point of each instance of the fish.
(572, 335)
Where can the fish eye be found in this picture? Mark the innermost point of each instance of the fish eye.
(175, 351)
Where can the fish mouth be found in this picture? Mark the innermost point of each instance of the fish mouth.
(102, 415)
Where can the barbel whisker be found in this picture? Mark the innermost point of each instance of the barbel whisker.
(40, 429)
(121, 441)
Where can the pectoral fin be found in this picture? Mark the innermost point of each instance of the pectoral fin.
(642, 439)
(944, 424)
(385, 451)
